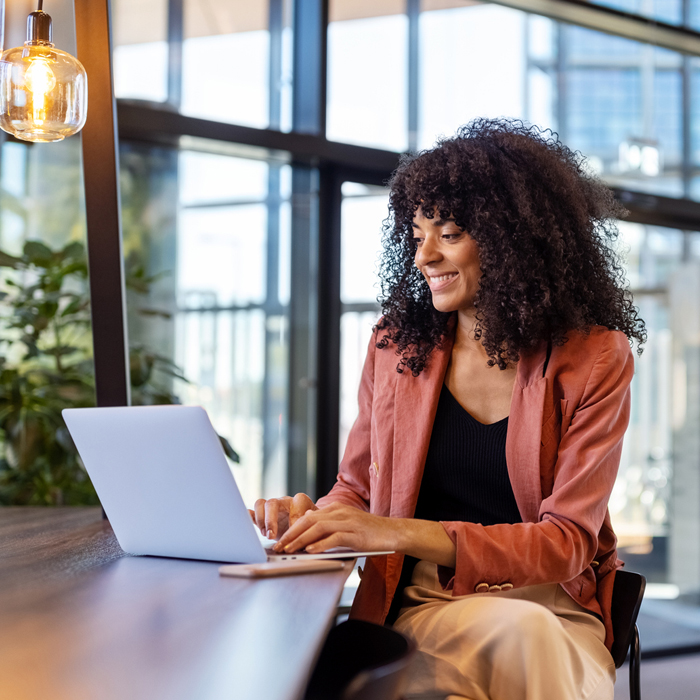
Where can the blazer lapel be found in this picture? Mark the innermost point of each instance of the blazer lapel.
(524, 436)
(415, 405)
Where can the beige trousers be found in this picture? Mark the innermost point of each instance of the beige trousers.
(531, 643)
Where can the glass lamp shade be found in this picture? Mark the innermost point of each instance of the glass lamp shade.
(43, 93)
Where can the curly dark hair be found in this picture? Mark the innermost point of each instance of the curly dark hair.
(544, 227)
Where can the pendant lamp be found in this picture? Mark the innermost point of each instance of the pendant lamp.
(43, 90)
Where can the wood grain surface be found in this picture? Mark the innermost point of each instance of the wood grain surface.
(80, 620)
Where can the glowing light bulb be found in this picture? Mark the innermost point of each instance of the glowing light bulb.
(43, 90)
(40, 80)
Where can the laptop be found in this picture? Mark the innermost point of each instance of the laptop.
(163, 480)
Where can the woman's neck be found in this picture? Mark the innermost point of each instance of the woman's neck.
(464, 333)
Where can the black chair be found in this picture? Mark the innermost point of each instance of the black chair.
(628, 592)
(361, 661)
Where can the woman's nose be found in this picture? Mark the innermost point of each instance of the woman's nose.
(427, 252)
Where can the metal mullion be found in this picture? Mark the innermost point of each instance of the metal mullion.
(413, 13)
(275, 27)
(305, 329)
(310, 66)
(223, 203)
(359, 307)
(215, 308)
(686, 114)
(329, 313)
(561, 83)
(627, 63)
(176, 34)
(156, 125)
(611, 21)
(272, 307)
(656, 210)
(303, 333)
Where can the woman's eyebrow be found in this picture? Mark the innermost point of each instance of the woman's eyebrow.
(435, 222)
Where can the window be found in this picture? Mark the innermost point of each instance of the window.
(212, 231)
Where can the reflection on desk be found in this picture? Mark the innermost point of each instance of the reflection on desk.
(81, 620)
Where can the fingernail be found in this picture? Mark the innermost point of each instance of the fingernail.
(269, 534)
(311, 548)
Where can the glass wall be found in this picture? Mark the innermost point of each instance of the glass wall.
(618, 101)
(228, 61)
(211, 234)
(225, 61)
(140, 35)
(45, 340)
(368, 73)
(362, 210)
(654, 503)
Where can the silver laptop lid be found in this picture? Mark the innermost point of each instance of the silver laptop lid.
(164, 482)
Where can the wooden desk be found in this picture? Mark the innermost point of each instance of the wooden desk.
(79, 620)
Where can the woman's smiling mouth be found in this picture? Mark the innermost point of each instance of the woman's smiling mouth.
(438, 282)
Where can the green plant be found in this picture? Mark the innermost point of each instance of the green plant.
(46, 366)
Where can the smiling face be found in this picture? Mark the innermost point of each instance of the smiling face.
(448, 257)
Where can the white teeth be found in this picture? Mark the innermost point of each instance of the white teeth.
(443, 278)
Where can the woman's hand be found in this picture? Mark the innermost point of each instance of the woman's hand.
(339, 525)
(275, 515)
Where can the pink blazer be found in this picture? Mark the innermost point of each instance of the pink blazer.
(567, 419)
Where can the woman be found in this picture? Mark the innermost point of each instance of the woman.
(493, 404)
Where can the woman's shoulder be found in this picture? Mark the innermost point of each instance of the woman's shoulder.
(595, 341)
(608, 351)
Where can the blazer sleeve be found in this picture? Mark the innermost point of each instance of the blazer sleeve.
(562, 544)
(352, 486)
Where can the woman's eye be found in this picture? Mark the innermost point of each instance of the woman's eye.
(417, 241)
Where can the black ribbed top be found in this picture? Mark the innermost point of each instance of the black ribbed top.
(466, 476)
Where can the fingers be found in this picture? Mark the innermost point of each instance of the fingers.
(274, 515)
(272, 512)
(309, 529)
(293, 532)
(252, 514)
(337, 539)
(301, 503)
(260, 514)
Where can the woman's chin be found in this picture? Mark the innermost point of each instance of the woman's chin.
(444, 306)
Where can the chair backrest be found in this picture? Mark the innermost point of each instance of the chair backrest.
(628, 592)
(361, 661)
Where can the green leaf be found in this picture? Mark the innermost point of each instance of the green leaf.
(75, 306)
(38, 253)
(61, 350)
(9, 261)
(74, 251)
(75, 268)
(229, 451)
(138, 285)
(154, 312)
